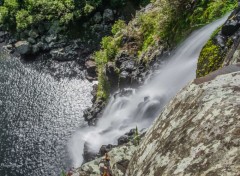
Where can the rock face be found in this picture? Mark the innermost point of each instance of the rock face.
(119, 158)
(198, 133)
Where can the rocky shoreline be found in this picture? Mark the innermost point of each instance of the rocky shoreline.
(48, 42)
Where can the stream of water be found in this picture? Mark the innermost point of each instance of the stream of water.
(126, 112)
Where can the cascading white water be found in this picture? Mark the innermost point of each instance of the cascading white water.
(125, 113)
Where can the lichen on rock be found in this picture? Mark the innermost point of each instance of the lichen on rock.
(196, 134)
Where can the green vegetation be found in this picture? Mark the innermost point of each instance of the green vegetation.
(136, 137)
(109, 50)
(21, 14)
(212, 56)
(166, 24)
(210, 59)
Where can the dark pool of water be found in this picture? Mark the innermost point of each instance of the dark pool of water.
(38, 114)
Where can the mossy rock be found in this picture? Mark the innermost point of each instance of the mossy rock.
(211, 58)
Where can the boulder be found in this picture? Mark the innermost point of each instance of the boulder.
(88, 155)
(51, 38)
(91, 68)
(198, 131)
(57, 54)
(92, 114)
(33, 34)
(31, 40)
(105, 149)
(108, 15)
(37, 47)
(23, 47)
(123, 139)
(230, 27)
(97, 18)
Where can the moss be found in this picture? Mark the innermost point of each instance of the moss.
(210, 59)
(103, 85)
(216, 32)
(118, 26)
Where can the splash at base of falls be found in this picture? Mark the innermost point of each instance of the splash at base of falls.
(141, 108)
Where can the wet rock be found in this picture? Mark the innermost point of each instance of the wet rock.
(12, 41)
(41, 29)
(51, 38)
(123, 139)
(33, 34)
(64, 54)
(91, 68)
(108, 15)
(230, 27)
(57, 54)
(31, 40)
(37, 47)
(105, 149)
(112, 75)
(88, 155)
(220, 40)
(125, 79)
(131, 132)
(94, 93)
(23, 47)
(92, 114)
(195, 133)
(128, 65)
(120, 58)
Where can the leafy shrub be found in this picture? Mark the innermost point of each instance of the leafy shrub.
(118, 26)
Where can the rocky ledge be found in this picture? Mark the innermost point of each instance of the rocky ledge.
(56, 43)
(198, 133)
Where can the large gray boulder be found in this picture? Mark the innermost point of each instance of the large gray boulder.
(23, 47)
(198, 133)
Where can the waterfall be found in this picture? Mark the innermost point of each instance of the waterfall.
(140, 109)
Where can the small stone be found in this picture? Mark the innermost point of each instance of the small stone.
(91, 67)
(31, 40)
(33, 34)
(51, 38)
(108, 15)
(23, 47)
(97, 18)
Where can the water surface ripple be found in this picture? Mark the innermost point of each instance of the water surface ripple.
(38, 114)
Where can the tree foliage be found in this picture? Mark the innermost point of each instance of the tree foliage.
(20, 14)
